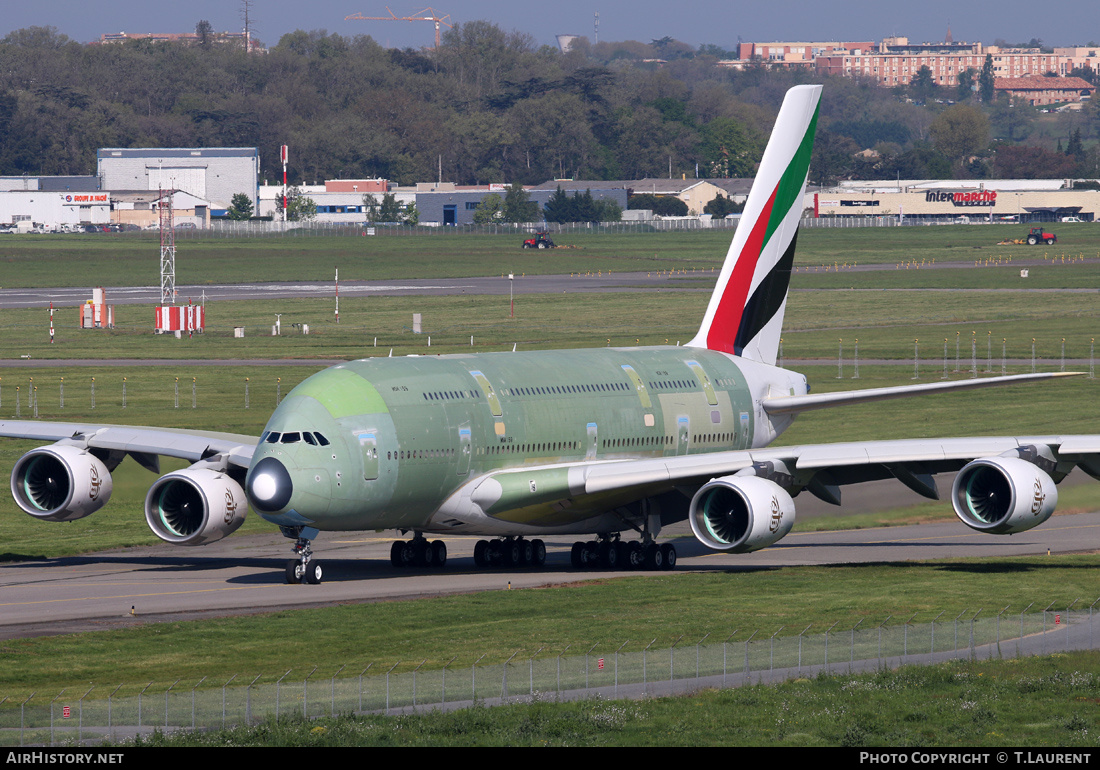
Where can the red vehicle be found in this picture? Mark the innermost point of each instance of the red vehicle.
(1037, 235)
(540, 241)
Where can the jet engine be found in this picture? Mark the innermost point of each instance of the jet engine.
(60, 483)
(1003, 495)
(739, 514)
(195, 506)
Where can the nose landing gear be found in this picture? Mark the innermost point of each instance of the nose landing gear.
(302, 569)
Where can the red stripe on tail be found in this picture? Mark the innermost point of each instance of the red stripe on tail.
(727, 317)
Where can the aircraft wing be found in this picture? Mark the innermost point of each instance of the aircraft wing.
(144, 444)
(843, 463)
(1007, 485)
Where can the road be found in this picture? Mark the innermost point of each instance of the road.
(244, 574)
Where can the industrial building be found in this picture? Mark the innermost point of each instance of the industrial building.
(922, 201)
(214, 174)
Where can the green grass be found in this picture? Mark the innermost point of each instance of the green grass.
(1037, 702)
(133, 260)
(498, 624)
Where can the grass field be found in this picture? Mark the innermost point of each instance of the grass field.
(1038, 702)
(133, 260)
(827, 310)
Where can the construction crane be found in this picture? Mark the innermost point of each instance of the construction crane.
(428, 14)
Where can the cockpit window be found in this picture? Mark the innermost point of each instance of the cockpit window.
(321, 439)
(309, 438)
(291, 438)
(273, 437)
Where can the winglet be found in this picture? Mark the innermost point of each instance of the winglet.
(745, 315)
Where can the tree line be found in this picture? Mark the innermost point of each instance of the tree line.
(490, 106)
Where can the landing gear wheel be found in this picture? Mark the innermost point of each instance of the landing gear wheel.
(512, 553)
(481, 553)
(294, 571)
(609, 554)
(670, 555)
(312, 574)
(424, 555)
(576, 555)
(527, 553)
(439, 553)
(397, 553)
(654, 558)
(538, 555)
(635, 556)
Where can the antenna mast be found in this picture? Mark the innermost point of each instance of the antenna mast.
(167, 249)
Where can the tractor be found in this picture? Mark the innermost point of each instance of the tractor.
(1036, 235)
(540, 241)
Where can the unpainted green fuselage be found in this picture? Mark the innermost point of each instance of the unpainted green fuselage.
(405, 434)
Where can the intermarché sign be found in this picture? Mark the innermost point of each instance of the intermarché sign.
(987, 198)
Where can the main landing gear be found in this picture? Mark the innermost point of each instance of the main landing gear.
(302, 569)
(609, 552)
(510, 552)
(418, 552)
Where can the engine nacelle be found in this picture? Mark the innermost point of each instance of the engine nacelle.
(60, 483)
(195, 506)
(739, 514)
(1003, 495)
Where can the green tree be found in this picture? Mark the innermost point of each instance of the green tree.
(923, 84)
(965, 86)
(518, 206)
(240, 207)
(205, 31)
(660, 205)
(490, 210)
(960, 131)
(986, 80)
(720, 206)
(299, 208)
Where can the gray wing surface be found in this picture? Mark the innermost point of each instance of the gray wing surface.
(820, 468)
(142, 443)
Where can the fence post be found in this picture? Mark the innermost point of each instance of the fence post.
(166, 693)
(195, 687)
(223, 697)
(277, 686)
(332, 694)
(559, 666)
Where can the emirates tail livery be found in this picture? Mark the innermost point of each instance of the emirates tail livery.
(608, 445)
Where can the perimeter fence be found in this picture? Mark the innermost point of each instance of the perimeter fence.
(82, 715)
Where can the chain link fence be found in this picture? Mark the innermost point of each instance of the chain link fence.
(626, 670)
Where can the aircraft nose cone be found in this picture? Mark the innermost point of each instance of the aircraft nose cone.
(269, 486)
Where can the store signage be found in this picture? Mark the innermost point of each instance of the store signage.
(987, 198)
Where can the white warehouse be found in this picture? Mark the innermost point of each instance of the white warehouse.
(214, 174)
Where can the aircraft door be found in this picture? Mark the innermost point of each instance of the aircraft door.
(464, 449)
(368, 450)
(593, 442)
(683, 434)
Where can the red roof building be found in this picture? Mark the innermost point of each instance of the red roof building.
(1040, 90)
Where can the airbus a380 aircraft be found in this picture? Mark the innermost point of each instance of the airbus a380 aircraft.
(593, 443)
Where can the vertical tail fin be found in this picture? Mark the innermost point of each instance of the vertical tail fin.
(745, 315)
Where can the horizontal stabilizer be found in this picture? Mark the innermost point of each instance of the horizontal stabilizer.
(797, 404)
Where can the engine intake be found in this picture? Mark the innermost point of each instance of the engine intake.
(195, 506)
(740, 514)
(1003, 495)
(60, 483)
